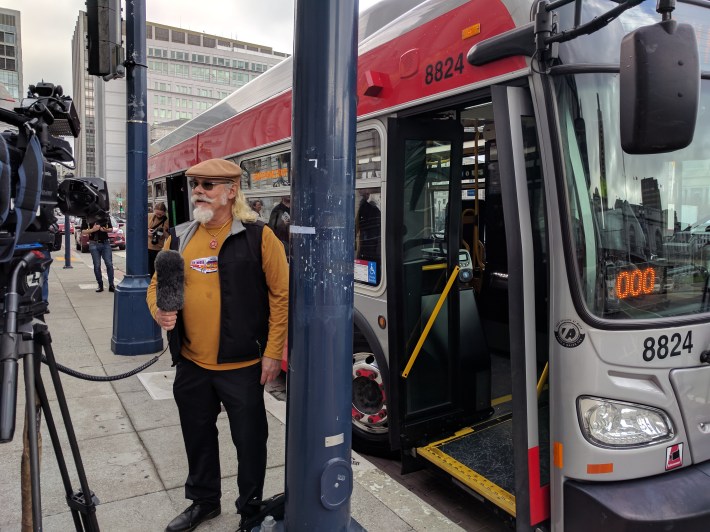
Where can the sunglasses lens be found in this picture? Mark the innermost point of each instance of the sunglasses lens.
(206, 185)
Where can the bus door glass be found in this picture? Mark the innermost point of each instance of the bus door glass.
(433, 382)
(178, 199)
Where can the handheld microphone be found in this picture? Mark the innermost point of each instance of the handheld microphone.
(170, 272)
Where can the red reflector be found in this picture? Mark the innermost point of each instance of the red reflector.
(375, 82)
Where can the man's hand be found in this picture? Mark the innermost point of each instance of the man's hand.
(270, 369)
(167, 319)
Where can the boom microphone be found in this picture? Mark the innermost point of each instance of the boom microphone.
(170, 272)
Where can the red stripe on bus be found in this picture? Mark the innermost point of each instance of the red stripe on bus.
(539, 495)
(422, 62)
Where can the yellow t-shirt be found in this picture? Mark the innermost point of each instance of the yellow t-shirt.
(201, 312)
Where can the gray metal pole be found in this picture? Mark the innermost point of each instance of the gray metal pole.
(67, 243)
(318, 434)
(134, 330)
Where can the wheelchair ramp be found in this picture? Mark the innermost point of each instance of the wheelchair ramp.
(481, 458)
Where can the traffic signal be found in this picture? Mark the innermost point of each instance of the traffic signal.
(104, 36)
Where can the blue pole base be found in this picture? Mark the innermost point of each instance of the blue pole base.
(134, 329)
(353, 526)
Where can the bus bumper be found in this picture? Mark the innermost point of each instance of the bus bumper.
(678, 500)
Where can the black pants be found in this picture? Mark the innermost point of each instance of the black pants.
(198, 393)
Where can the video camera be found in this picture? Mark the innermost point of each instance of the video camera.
(29, 191)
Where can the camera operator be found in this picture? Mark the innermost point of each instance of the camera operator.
(100, 247)
(157, 231)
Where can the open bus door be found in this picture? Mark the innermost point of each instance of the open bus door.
(522, 194)
(472, 401)
(448, 375)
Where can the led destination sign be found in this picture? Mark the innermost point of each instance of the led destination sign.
(635, 283)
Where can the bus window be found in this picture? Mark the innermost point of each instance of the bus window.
(368, 155)
(367, 236)
(638, 223)
(368, 205)
(268, 171)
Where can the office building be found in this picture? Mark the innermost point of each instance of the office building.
(188, 72)
(11, 53)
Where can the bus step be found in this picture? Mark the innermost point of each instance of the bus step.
(481, 458)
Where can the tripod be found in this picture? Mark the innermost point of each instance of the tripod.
(83, 508)
(23, 339)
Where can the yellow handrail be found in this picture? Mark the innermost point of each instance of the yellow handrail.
(543, 378)
(430, 323)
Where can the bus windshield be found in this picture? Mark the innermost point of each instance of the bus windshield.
(639, 224)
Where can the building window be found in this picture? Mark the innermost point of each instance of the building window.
(180, 71)
(194, 39)
(200, 58)
(162, 34)
(7, 19)
(200, 73)
(159, 67)
(178, 36)
(209, 42)
(239, 79)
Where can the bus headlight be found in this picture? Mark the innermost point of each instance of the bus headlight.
(607, 423)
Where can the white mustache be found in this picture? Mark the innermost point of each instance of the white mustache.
(194, 199)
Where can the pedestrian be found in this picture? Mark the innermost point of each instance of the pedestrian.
(280, 220)
(157, 231)
(257, 205)
(100, 248)
(228, 339)
(367, 229)
(47, 251)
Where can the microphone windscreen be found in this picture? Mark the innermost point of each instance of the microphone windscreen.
(170, 273)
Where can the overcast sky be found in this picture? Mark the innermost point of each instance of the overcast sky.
(48, 26)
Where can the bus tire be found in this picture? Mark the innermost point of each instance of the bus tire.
(369, 403)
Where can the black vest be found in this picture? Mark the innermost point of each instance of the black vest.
(244, 316)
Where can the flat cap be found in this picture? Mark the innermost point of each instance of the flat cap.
(215, 169)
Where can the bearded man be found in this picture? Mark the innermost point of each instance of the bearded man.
(227, 341)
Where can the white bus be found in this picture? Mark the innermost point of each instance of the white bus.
(531, 308)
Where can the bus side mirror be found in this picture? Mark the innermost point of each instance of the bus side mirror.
(660, 86)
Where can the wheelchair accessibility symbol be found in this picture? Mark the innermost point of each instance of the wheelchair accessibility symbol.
(372, 272)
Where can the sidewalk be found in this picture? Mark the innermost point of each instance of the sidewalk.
(130, 440)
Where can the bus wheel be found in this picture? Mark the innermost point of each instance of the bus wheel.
(369, 407)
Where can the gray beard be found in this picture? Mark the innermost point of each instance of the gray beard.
(203, 214)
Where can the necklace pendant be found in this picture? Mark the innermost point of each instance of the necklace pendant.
(213, 243)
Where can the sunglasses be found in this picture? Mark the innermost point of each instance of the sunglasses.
(207, 185)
